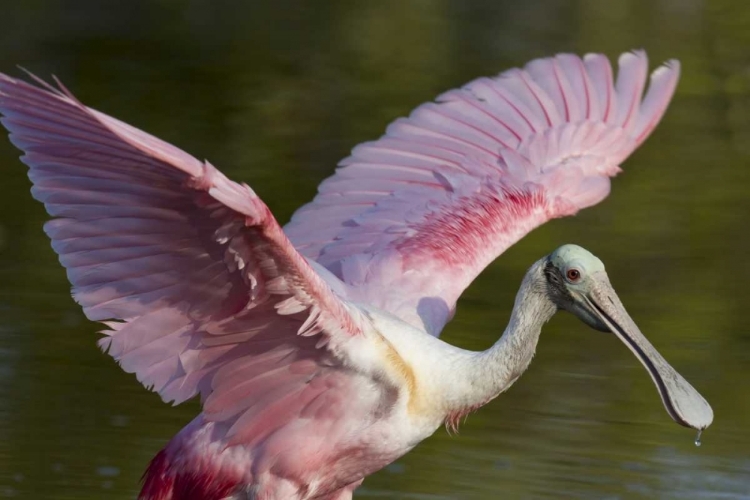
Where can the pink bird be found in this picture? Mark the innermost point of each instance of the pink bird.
(314, 348)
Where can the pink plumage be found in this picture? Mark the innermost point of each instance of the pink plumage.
(203, 293)
(551, 132)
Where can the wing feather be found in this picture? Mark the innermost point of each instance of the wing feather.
(629, 87)
(199, 287)
(409, 220)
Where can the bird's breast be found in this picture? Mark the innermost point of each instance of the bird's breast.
(401, 366)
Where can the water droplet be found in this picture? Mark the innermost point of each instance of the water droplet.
(698, 438)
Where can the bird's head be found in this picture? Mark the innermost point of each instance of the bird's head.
(573, 275)
(576, 281)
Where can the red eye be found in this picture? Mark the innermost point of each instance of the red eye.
(573, 274)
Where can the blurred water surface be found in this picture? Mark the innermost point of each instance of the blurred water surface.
(274, 93)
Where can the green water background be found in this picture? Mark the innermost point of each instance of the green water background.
(275, 93)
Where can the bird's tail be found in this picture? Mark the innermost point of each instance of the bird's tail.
(158, 481)
(175, 474)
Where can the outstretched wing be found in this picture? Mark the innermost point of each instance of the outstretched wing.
(201, 290)
(410, 219)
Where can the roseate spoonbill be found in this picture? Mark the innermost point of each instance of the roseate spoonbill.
(314, 348)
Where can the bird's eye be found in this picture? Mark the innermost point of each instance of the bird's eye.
(573, 275)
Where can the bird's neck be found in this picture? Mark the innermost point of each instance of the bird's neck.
(490, 372)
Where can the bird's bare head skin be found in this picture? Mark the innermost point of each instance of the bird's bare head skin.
(577, 282)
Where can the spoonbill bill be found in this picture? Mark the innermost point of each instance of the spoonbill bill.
(314, 348)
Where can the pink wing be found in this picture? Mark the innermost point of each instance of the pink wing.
(409, 220)
(208, 295)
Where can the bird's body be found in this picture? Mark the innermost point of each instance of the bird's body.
(407, 384)
(314, 348)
